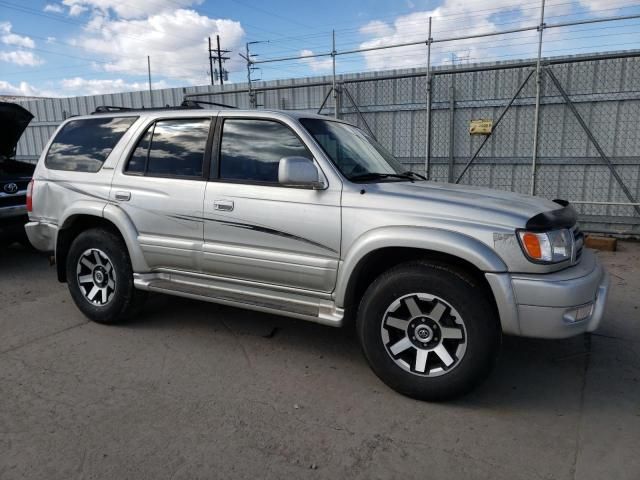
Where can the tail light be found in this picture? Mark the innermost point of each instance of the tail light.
(30, 196)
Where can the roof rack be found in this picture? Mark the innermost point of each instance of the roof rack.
(190, 102)
(187, 104)
(112, 108)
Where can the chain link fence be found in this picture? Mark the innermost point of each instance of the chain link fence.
(588, 145)
(588, 142)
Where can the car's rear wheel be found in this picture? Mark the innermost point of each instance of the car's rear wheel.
(100, 277)
(428, 331)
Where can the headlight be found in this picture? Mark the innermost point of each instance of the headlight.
(548, 247)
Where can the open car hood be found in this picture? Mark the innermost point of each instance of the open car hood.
(13, 121)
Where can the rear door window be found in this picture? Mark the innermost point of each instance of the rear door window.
(84, 145)
(171, 148)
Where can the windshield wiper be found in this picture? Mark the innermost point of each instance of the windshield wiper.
(414, 175)
(377, 176)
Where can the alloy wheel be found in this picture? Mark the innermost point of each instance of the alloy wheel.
(96, 277)
(424, 334)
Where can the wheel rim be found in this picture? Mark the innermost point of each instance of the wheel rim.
(424, 334)
(96, 277)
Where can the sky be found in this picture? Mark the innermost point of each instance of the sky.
(63, 48)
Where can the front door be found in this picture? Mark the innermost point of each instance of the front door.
(258, 230)
(161, 188)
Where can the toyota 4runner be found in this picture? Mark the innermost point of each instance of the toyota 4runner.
(309, 217)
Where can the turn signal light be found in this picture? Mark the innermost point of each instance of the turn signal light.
(531, 243)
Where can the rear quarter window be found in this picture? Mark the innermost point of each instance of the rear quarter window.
(84, 145)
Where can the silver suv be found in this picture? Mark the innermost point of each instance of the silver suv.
(309, 217)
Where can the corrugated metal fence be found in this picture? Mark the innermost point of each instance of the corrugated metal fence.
(588, 148)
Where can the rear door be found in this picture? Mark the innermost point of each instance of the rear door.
(256, 229)
(161, 188)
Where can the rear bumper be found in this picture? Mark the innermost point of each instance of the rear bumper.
(13, 211)
(555, 305)
(42, 235)
(12, 226)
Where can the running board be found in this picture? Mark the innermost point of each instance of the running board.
(260, 298)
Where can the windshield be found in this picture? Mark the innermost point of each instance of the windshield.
(359, 157)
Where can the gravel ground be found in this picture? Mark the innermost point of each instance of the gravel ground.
(194, 390)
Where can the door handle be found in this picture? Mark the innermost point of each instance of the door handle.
(123, 196)
(223, 205)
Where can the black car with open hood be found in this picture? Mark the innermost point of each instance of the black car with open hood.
(14, 175)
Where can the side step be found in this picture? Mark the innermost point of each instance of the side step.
(241, 294)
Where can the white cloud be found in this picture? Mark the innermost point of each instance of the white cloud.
(316, 63)
(77, 86)
(176, 42)
(451, 18)
(22, 89)
(129, 9)
(75, 10)
(83, 86)
(377, 28)
(21, 57)
(9, 38)
(53, 8)
(603, 4)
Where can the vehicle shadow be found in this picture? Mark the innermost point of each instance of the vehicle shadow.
(529, 374)
(20, 258)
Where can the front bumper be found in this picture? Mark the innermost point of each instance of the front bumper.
(42, 235)
(553, 305)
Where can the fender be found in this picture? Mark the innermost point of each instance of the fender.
(121, 220)
(116, 216)
(81, 207)
(437, 240)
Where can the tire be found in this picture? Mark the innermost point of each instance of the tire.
(100, 277)
(428, 331)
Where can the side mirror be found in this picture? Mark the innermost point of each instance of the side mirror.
(299, 172)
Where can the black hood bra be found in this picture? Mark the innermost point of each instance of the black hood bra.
(564, 217)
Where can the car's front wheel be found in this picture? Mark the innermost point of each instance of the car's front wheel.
(100, 277)
(428, 331)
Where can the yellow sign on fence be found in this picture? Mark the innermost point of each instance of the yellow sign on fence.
(480, 127)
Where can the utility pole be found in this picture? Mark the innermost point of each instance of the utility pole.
(252, 102)
(248, 57)
(220, 60)
(219, 57)
(210, 62)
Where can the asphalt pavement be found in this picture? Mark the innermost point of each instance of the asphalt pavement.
(194, 390)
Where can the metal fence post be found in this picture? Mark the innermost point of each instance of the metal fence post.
(336, 109)
(536, 115)
(427, 155)
(452, 112)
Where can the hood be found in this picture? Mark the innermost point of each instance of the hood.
(464, 202)
(13, 121)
